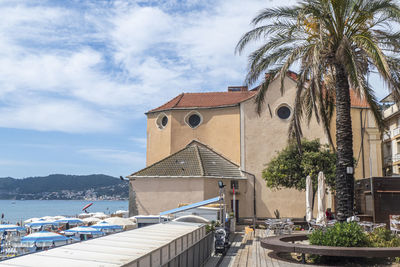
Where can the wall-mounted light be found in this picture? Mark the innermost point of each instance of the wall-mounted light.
(349, 170)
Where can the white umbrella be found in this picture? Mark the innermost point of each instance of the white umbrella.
(125, 223)
(85, 215)
(91, 220)
(321, 217)
(31, 220)
(100, 215)
(309, 198)
(133, 219)
(191, 219)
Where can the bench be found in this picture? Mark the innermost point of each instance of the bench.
(283, 244)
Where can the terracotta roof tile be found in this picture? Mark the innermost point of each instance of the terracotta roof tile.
(205, 100)
(221, 99)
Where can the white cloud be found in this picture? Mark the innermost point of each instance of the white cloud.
(115, 156)
(95, 66)
(140, 141)
(54, 115)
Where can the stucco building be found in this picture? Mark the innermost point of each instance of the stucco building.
(227, 123)
(391, 137)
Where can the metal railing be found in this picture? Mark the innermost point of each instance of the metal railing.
(195, 255)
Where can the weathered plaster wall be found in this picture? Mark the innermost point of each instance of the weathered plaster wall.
(264, 135)
(154, 195)
(220, 130)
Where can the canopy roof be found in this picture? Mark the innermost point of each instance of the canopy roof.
(195, 160)
(191, 206)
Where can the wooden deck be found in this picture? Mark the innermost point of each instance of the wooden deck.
(250, 253)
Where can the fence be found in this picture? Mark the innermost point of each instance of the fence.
(196, 255)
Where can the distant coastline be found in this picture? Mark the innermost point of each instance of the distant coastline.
(64, 187)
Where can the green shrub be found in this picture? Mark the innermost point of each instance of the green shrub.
(340, 235)
(382, 237)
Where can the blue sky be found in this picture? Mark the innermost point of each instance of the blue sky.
(77, 76)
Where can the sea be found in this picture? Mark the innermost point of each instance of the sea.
(20, 210)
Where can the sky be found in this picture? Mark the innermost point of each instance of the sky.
(76, 77)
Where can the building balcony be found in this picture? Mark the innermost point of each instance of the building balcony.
(390, 110)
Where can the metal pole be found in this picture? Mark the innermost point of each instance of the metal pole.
(234, 203)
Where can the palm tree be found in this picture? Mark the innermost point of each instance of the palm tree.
(335, 43)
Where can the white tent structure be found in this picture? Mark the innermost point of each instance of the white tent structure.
(309, 199)
(321, 217)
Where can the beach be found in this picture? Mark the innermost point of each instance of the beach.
(19, 210)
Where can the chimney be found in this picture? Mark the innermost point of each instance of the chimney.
(237, 88)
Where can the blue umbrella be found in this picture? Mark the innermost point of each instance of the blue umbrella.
(11, 228)
(83, 230)
(40, 223)
(106, 227)
(44, 239)
(72, 221)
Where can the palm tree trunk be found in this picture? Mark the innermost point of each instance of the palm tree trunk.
(344, 143)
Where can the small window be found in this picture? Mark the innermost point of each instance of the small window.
(193, 119)
(162, 121)
(284, 112)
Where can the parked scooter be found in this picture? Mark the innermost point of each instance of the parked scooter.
(221, 240)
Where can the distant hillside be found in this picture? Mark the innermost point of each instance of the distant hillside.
(59, 186)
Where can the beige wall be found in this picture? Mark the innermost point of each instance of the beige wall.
(220, 130)
(158, 140)
(154, 195)
(372, 143)
(263, 137)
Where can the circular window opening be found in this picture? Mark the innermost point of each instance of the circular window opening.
(284, 112)
(164, 121)
(194, 120)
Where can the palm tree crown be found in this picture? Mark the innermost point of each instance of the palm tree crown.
(335, 43)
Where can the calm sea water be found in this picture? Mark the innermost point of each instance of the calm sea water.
(20, 210)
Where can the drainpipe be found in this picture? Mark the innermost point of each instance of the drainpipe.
(362, 143)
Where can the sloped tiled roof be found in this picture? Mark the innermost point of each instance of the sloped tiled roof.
(205, 100)
(195, 160)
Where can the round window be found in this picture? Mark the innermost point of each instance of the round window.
(164, 121)
(284, 112)
(194, 120)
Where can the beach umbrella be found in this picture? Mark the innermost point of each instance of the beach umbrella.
(31, 220)
(47, 218)
(133, 219)
(41, 223)
(85, 215)
(91, 220)
(125, 223)
(191, 219)
(321, 217)
(71, 221)
(122, 213)
(11, 228)
(100, 215)
(309, 198)
(107, 228)
(83, 230)
(44, 239)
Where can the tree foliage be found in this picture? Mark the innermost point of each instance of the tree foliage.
(289, 168)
